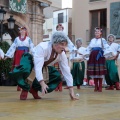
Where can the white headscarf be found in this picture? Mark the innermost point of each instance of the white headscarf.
(112, 36)
(79, 39)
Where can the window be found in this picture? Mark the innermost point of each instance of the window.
(60, 18)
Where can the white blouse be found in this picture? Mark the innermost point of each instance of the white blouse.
(42, 53)
(17, 43)
(97, 43)
(114, 47)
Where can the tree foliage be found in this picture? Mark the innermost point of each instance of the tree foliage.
(5, 65)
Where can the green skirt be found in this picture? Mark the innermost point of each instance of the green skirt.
(112, 75)
(21, 72)
(77, 72)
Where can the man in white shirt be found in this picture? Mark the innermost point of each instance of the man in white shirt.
(46, 51)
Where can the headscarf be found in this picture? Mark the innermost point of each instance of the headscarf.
(112, 36)
(79, 39)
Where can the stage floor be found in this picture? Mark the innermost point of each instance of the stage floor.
(58, 106)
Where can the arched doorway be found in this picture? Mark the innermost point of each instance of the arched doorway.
(12, 32)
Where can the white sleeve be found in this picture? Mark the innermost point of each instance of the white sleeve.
(65, 69)
(71, 56)
(105, 44)
(1, 53)
(71, 46)
(31, 46)
(88, 49)
(12, 49)
(38, 62)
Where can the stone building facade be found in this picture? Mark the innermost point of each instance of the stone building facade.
(88, 14)
(33, 19)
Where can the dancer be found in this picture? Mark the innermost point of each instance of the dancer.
(96, 67)
(112, 76)
(78, 68)
(21, 44)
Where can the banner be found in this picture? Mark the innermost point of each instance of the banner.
(18, 5)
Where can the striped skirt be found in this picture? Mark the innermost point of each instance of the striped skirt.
(96, 68)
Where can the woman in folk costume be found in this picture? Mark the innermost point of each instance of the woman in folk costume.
(78, 68)
(46, 54)
(112, 76)
(96, 67)
(21, 44)
(70, 46)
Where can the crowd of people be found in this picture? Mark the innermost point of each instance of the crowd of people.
(49, 59)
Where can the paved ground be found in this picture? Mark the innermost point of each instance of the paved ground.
(58, 106)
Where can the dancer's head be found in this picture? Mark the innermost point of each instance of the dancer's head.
(111, 38)
(98, 32)
(23, 31)
(79, 42)
(59, 41)
(59, 27)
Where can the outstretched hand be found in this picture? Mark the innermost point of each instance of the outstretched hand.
(72, 96)
(44, 87)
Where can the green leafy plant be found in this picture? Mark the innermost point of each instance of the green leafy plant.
(5, 65)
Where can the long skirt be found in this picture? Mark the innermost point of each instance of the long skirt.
(112, 75)
(96, 68)
(17, 57)
(21, 72)
(77, 72)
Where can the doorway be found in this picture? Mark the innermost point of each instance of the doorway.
(98, 19)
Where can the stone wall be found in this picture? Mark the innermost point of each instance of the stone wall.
(33, 19)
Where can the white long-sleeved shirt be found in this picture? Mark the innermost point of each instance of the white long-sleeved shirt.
(42, 53)
(18, 43)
